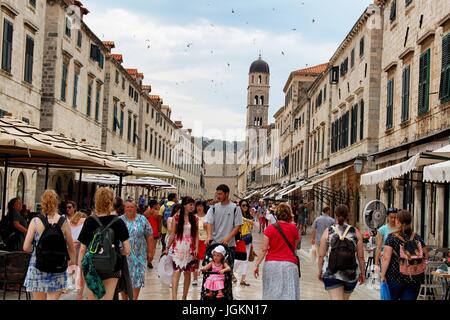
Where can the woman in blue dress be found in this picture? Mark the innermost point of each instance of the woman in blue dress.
(141, 238)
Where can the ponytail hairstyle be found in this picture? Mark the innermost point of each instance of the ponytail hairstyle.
(405, 219)
(341, 213)
(180, 225)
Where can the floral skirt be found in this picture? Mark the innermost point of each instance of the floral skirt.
(190, 267)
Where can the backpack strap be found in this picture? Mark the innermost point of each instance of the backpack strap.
(116, 218)
(95, 217)
(61, 221)
(44, 220)
(342, 236)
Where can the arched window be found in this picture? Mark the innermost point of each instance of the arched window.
(21, 187)
(58, 186)
(259, 79)
(262, 100)
(256, 100)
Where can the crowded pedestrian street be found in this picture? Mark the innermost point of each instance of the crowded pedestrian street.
(310, 287)
(224, 150)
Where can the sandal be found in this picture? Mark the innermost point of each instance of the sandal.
(219, 295)
(244, 283)
(234, 279)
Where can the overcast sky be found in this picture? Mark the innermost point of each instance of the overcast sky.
(196, 54)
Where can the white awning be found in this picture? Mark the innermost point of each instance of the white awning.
(298, 185)
(439, 172)
(267, 191)
(284, 191)
(323, 177)
(146, 169)
(251, 194)
(402, 168)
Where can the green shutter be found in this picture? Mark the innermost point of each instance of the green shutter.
(361, 121)
(405, 93)
(424, 83)
(390, 102)
(444, 87)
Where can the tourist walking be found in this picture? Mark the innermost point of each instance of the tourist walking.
(383, 233)
(141, 242)
(224, 220)
(320, 224)
(102, 285)
(46, 276)
(341, 257)
(261, 215)
(245, 234)
(200, 211)
(183, 244)
(152, 215)
(76, 221)
(280, 274)
(164, 214)
(404, 259)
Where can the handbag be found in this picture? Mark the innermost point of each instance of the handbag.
(240, 251)
(384, 291)
(277, 226)
(252, 255)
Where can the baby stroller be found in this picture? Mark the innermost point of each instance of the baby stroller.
(228, 289)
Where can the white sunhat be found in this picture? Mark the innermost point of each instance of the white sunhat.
(165, 269)
(219, 249)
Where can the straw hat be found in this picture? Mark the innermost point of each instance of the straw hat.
(165, 269)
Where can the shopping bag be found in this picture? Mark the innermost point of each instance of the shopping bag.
(384, 291)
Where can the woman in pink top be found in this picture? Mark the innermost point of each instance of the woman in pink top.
(280, 271)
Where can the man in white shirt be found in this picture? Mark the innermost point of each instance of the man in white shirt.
(223, 220)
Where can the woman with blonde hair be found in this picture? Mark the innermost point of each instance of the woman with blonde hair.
(281, 269)
(104, 200)
(46, 285)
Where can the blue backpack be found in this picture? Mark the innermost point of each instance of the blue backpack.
(166, 215)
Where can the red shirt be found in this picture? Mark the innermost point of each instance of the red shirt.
(153, 223)
(278, 249)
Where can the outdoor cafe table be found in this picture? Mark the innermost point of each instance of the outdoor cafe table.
(446, 277)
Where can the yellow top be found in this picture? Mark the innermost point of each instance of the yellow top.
(161, 213)
(246, 227)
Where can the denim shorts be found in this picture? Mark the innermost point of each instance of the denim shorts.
(331, 284)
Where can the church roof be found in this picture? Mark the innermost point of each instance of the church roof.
(259, 66)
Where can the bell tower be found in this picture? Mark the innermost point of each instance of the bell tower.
(258, 94)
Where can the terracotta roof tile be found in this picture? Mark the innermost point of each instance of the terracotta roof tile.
(147, 87)
(132, 72)
(109, 44)
(118, 57)
(312, 70)
(140, 75)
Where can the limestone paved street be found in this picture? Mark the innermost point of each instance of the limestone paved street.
(310, 287)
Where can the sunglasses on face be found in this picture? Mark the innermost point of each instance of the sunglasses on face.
(244, 205)
(69, 207)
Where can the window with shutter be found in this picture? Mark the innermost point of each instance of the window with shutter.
(405, 93)
(94, 52)
(29, 53)
(65, 71)
(7, 45)
(115, 121)
(122, 116)
(424, 83)
(444, 87)
(408, 2)
(354, 124)
(79, 38)
(129, 127)
(334, 75)
(390, 102)
(393, 14)
(361, 120)
(361, 47)
(75, 90)
(97, 102)
(68, 27)
(89, 99)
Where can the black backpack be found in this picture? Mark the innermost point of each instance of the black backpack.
(104, 253)
(51, 250)
(342, 254)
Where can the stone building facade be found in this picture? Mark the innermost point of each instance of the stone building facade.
(59, 76)
(414, 111)
(22, 27)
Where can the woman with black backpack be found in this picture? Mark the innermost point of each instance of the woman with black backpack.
(341, 257)
(100, 254)
(53, 245)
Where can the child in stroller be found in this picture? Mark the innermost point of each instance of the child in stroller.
(217, 273)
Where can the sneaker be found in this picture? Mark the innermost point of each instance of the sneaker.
(194, 283)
